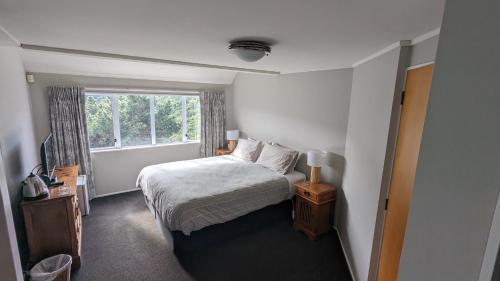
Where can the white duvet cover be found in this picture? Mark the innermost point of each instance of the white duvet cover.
(190, 195)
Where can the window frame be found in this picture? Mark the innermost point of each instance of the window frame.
(152, 109)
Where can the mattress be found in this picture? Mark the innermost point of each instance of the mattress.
(190, 195)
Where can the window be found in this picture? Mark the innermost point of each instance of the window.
(168, 114)
(125, 120)
(193, 118)
(135, 120)
(100, 121)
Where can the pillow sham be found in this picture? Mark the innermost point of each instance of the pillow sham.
(295, 160)
(276, 158)
(247, 150)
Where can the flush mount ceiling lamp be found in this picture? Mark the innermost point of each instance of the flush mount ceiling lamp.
(249, 50)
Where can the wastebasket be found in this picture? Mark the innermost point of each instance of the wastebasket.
(56, 268)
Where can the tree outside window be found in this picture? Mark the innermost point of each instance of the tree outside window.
(123, 120)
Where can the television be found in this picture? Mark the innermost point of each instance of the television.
(48, 161)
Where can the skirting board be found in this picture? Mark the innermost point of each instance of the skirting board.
(118, 192)
(347, 258)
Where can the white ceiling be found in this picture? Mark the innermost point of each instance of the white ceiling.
(6, 39)
(308, 35)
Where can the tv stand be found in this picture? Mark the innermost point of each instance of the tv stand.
(54, 224)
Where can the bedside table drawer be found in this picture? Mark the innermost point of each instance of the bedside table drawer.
(307, 194)
(313, 194)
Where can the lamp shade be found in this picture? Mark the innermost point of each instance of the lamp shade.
(233, 134)
(316, 158)
(249, 55)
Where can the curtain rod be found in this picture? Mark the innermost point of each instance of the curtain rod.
(142, 91)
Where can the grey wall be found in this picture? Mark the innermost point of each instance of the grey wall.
(424, 51)
(458, 178)
(10, 262)
(371, 129)
(303, 111)
(230, 122)
(17, 142)
(115, 171)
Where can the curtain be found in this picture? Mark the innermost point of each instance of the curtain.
(213, 127)
(69, 130)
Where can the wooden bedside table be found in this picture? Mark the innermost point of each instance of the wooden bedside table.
(222, 151)
(314, 208)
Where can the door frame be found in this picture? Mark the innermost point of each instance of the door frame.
(492, 251)
(387, 174)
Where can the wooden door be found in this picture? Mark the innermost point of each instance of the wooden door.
(414, 108)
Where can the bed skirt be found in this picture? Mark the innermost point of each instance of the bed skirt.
(214, 234)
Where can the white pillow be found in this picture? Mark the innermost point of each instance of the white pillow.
(247, 150)
(293, 163)
(277, 158)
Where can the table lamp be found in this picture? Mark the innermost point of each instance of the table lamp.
(315, 159)
(232, 137)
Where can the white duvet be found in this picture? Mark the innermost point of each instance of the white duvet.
(190, 195)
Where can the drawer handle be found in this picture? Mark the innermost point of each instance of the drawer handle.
(307, 193)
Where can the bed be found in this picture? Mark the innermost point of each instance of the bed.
(190, 195)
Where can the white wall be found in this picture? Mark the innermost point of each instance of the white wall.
(10, 262)
(302, 110)
(458, 174)
(117, 170)
(17, 142)
(372, 123)
(425, 51)
(114, 171)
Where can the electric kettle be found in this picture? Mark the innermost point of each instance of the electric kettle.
(34, 188)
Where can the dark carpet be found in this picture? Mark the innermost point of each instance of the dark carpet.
(121, 241)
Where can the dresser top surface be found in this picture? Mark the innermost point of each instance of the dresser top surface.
(68, 175)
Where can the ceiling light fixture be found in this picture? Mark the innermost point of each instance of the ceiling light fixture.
(249, 50)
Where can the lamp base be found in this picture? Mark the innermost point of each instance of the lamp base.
(315, 174)
(231, 145)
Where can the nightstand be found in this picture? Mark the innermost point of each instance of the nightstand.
(222, 151)
(314, 208)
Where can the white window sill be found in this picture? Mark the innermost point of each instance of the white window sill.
(149, 146)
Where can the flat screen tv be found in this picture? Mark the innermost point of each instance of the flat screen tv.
(47, 158)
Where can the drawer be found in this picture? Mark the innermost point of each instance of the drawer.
(315, 193)
(307, 194)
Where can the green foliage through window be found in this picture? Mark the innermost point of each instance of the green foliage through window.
(193, 118)
(168, 113)
(135, 120)
(99, 121)
(121, 120)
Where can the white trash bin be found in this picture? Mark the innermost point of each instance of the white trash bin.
(53, 268)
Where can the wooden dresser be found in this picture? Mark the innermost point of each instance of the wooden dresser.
(54, 224)
(314, 208)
